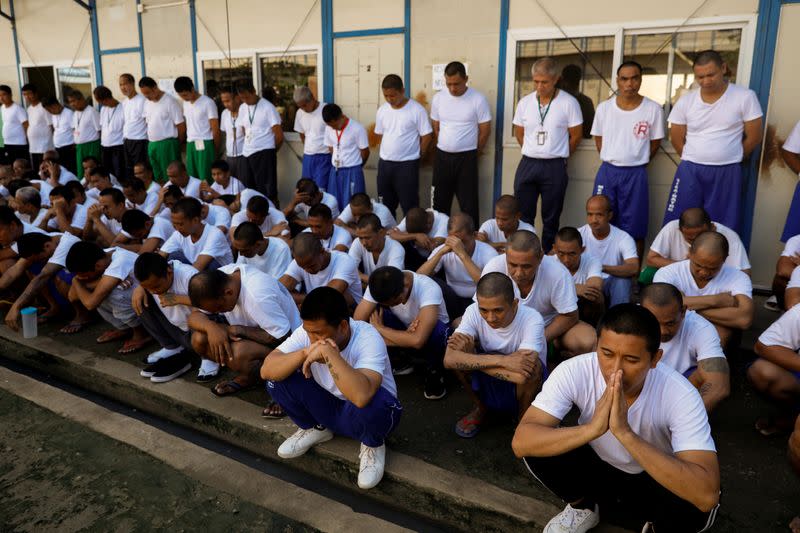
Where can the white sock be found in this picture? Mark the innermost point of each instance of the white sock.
(163, 353)
(208, 366)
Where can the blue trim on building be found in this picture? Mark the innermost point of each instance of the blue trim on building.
(407, 45)
(141, 36)
(98, 65)
(368, 33)
(16, 42)
(326, 14)
(114, 51)
(501, 101)
(193, 26)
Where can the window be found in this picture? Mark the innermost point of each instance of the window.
(218, 73)
(75, 78)
(280, 75)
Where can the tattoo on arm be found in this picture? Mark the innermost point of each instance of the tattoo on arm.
(467, 366)
(334, 375)
(705, 389)
(715, 364)
(500, 375)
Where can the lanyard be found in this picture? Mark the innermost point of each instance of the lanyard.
(547, 109)
(339, 134)
(252, 114)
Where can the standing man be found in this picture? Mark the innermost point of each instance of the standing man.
(166, 128)
(462, 123)
(548, 126)
(309, 124)
(231, 123)
(713, 129)
(63, 139)
(40, 125)
(15, 128)
(134, 133)
(406, 134)
(86, 127)
(263, 137)
(627, 130)
(202, 129)
(112, 125)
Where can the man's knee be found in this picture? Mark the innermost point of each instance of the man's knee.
(199, 343)
(763, 374)
(580, 338)
(725, 334)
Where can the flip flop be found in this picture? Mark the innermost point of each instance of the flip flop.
(74, 327)
(271, 412)
(114, 335)
(769, 427)
(469, 426)
(229, 388)
(131, 346)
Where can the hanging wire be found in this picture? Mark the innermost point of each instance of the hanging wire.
(669, 39)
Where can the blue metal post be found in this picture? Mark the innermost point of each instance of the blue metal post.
(16, 42)
(326, 12)
(501, 101)
(141, 36)
(193, 24)
(407, 45)
(98, 66)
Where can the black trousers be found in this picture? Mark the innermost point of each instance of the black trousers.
(36, 160)
(114, 160)
(546, 178)
(135, 152)
(12, 152)
(261, 173)
(66, 157)
(582, 474)
(398, 183)
(162, 330)
(456, 174)
(236, 163)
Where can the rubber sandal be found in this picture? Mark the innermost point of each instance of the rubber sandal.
(269, 411)
(114, 335)
(234, 386)
(73, 328)
(469, 426)
(768, 427)
(131, 346)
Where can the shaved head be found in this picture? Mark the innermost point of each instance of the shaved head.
(461, 222)
(526, 241)
(661, 294)
(176, 166)
(599, 199)
(305, 245)
(712, 243)
(507, 203)
(496, 284)
(694, 217)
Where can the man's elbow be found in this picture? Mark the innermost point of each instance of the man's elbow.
(419, 342)
(707, 501)
(744, 320)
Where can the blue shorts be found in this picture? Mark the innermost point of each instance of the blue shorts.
(715, 188)
(317, 167)
(627, 189)
(792, 226)
(497, 394)
(344, 183)
(689, 371)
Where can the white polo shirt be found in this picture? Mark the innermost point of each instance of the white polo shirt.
(697, 339)
(401, 129)
(526, 332)
(494, 234)
(456, 273)
(313, 127)
(614, 250)
(341, 267)
(670, 243)
(424, 292)
(458, 118)
(163, 118)
(62, 128)
(274, 261)
(393, 254)
(562, 112)
(112, 125)
(627, 133)
(13, 118)
(40, 138)
(380, 211)
(347, 144)
(258, 121)
(86, 125)
(197, 114)
(728, 279)
(234, 133)
(135, 124)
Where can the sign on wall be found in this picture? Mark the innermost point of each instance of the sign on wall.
(437, 73)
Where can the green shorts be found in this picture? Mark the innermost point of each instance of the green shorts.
(647, 274)
(161, 154)
(92, 148)
(198, 162)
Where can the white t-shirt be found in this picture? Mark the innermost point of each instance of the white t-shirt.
(13, 118)
(526, 332)
(785, 331)
(121, 265)
(234, 187)
(438, 229)
(347, 144)
(393, 254)
(178, 315)
(192, 187)
(163, 118)
(697, 339)
(198, 114)
(150, 202)
(135, 123)
(40, 137)
(36, 220)
(714, 131)
(86, 125)
(161, 229)
(234, 133)
(63, 247)
(794, 280)
(627, 133)
(263, 303)
(563, 113)
(218, 216)
(589, 267)
(274, 218)
(328, 199)
(78, 220)
(792, 247)
(247, 194)
(380, 211)
(614, 250)
(212, 243)
(728, 279)
(456, 273)
(458, 118)
(792, 142)
(670, 243)
(366, 350)
(424, 292)
(494, 234)
(313, 127)
(26, 228)
(339, 236)
(274, 261)
(62, 128)
(341, 267)
(668, 414)
(553, 291)
(258, 121)
(112, 125)
(401, 130)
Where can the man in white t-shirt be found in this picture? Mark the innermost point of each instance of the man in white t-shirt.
(63, 138)
(269, 219)
(263, 137)
(40, 125)
(408, 311)
(642, 444)
(420, 232)
(689, 343)
(103, 280)
(143, 170)
(259, 314)
(462, 257)
(349, 145)
(85, 126)
(406, 134)
(230, 123)
(586, 271)
(462, 121)
(615, 249)
(137, 197)
(332, 377)
(166, 127)
(788, 262)
(372, 249)
(306, 195)
(309, 124)
(28, 204)
(188, 184)
(713, 129)
(15, 127)
(496, 231)
(271, 255)
(498, 352)
(548, 125)
(65, 213)
(790, 152)
(360, 205)
(223, 184)
(202, 128)
(142, 233)
(315, 266)
(721, 294)
(627, 130)
(194, 242)
(104, 219)
(332, 236)
(112, 130)
(134, 133)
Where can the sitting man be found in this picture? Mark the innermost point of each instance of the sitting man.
(420, 232)
(28, 204)
(499, 353)
(720, 293)
(103, 280)
(65, 214)
(372, 249)
(315, 266)
(189, 185)
(788, 261)
(408, 311)
(104, 220)
(361, 204)
(463, 258)
(507, 219)
(11, 229)
(642, 443)
(332, 237)
(307, 195)
(224, 184)
(141, 233)
(270, 255)
(143, 170)
(99, 180)
(543, 283)
(332, 376)
(194, 242)
(138, 197)
(689, 343)
(586, 270)
(615, 249)
(259, 312)
(258, 210)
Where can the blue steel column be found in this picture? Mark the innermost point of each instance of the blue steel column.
(501, 101)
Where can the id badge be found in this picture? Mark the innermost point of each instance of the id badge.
(199, 145)
(77, 135)
(248, 136)
(541, 137)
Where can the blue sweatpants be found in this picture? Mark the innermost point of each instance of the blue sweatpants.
(317, 167)
(309, 405)
(345, 182)
(617, 290)
(433, 351)
(715, 188)
(498, 394)
(627, 189)
(792, 226)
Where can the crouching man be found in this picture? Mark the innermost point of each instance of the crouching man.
(642, 442)
(332, 376)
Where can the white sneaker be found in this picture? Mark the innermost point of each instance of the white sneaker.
(302, 441)
(373, 460)
(771, 304)
(572, 520)
(648, 527)
(163, 353)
